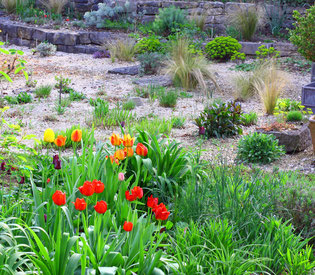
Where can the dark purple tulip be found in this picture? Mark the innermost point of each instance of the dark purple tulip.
(45, 217)
(55, 159)
(122, 124)
(2, 166)
(22, 180)
(58, 164)
(202, 130)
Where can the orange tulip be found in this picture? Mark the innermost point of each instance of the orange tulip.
(115, 140)
(76, 135)
(128, 141)
(60, 141)
(120, 155)
(141, 150)
(128, 151)
(112, 159)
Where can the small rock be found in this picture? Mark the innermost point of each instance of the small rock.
(131, 70)
(154, 81)
(137, 101)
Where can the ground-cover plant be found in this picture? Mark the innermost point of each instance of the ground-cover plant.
(129, 105)
(178, 122)
(303, 34)
(220, 120)
(149, 44)
(46, 49)
(222, 48)
(259, 148)
(263, 52)
(188, 69)
(76, 96)
(169, 19)
(294, 116)
(21, 98)
(43, 91)
(246, 21)
(169, 98)
(249, 119)
(270, 85)
(122, 50)
(150, 63)
(154, 126)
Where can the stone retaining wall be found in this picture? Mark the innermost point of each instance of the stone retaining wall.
(66, 41)
(91, 41)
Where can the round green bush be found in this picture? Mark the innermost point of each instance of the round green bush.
(222, 48)
(149, 44)
(259, 148)
(294, 116)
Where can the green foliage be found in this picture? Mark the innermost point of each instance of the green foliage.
(294, 116)
(168, 99)
(129, 105)
(303, 36)
(122, 50)
(46, 49)
(76, 96)
(246, 21)
(222, 48)
(149, 44)
(63, 82)
(249, 119)
(221, 120)
(178, 122)
(259, 148)
(233, 32)
(21, 98)
(287, 105)
(264, 52)
(245, 67)
(238, 55)
(155, 126)
(43, 91)
(169, 19)
(150, 63)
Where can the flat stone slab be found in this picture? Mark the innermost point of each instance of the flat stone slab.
(293, 140)
(137, 101)
(130, 70)
(154, 81)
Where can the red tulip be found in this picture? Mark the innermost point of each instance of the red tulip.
(22, 180)
(59, 198)
(101, 207)
(98, 186)
(48, 180)
(2, 166)
(141, 150)
(79, 204)
(161, 212)
(137, 192)
(87, 189)
(152, 202)
(130, 197)
(128, 226)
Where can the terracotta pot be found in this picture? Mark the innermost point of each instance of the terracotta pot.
(312, 129)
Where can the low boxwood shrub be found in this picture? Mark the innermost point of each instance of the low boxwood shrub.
(294, 116)
(222, 48)
(220, 120)
(259, 148)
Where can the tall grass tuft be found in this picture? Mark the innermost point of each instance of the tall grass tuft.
(188, 69)
(9, 5)
(247, 20)
(54, 6)
(122, 50)
(199, 20)
(270, 85)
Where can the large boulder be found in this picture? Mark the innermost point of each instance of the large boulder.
(293, 140)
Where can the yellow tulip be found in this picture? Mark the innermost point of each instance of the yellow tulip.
(49, 135)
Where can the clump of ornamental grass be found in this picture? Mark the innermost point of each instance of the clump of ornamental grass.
(270, 85)
(9, 5)
(43, 91)
(54, 6)
(247, 20)
(199, 20)
(188, 69)
(122, 50)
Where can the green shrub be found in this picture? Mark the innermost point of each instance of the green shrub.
(264, 52)
(287, 105)
(21, 98)
(168, 99)
(43, 91)
(221, 120)
(303, 36)
(46, 49)
(294, 116)
(129, 105)
(150, 63)
(259, 148)
(169, 19)
(147, 44)
(246, 21)
(249, 119)
(222, 48)
(76, 96)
